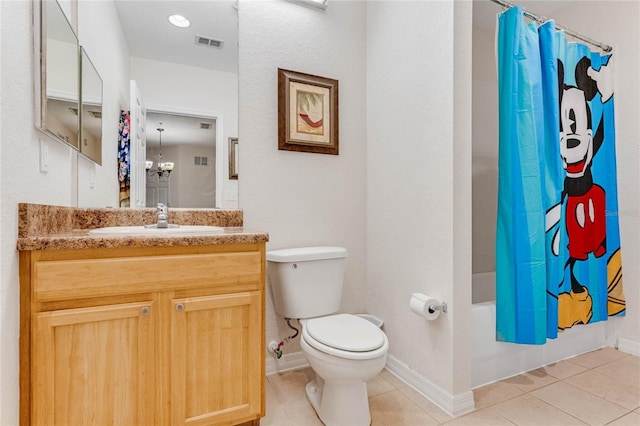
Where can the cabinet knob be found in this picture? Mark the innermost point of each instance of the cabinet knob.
(179, 307)
(145, 310)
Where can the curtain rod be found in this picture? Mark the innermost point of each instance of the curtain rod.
(572, 33)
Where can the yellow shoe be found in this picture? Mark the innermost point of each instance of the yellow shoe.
(574, 308)
(615, 300)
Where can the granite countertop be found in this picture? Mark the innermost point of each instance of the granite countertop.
(43, 227)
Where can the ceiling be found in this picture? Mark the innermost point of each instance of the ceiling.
(150, 35)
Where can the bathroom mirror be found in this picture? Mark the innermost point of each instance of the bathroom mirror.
(91, 116)
(178, 71)
(59, 69)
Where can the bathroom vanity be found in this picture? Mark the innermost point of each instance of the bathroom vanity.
(144, 330)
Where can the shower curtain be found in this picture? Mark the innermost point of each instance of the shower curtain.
(558, 259)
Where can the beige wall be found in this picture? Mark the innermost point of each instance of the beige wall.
(304, 199)
(485, 150)
(418, 182)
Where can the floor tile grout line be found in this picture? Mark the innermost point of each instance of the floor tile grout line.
(599, 396)
(503, 417)
(508, 398)
(593, 367)
(382, 393)
(618, 418)
(416, 405)
(560, 409)
(530, 392)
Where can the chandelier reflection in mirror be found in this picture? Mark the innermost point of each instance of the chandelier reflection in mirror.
(164, 168)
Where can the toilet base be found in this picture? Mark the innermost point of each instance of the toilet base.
(339, 402)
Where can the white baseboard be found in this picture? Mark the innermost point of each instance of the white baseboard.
(292, 361)
(454, 405)
(629, 346)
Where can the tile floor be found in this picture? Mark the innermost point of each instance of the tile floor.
(598, 388)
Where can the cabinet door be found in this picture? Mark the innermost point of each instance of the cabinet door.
(216, 373)
(94, 366)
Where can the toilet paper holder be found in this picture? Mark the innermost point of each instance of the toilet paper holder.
(441, 307)
(425, 306)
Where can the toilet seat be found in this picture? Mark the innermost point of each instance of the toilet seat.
(345, 336)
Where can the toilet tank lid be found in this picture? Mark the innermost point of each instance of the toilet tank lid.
(302, 254)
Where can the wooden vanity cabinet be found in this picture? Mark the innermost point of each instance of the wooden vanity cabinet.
(143, 336)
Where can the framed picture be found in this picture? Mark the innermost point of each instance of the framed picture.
(233, 158)
(307, 113)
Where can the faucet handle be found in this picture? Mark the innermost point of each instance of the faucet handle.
(163, 216)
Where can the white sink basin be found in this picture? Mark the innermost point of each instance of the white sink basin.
(144, 230)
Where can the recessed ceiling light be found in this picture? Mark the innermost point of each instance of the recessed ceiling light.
(179, 21)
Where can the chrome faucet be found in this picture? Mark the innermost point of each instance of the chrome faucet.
(162, 213)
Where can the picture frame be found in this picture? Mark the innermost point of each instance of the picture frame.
(233, 158)
(307, 113)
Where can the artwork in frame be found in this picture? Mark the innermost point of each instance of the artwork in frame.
(307, 113)
(233, 158)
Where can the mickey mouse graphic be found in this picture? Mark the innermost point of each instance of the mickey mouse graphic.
(585, 217)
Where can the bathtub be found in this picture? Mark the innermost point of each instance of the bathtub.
(492, 361)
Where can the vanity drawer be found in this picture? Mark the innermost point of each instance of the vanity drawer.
(83, 278)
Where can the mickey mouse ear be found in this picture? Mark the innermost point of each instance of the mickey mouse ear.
(560, 80)
(583, 80)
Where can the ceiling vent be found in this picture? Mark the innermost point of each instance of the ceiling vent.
(206, 41)
(96, 114)
(205, 126)
(74, 111)
(200, 161)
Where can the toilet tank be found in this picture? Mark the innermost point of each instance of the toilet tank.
(306, 282)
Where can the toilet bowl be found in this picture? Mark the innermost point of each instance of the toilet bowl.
(344, 350)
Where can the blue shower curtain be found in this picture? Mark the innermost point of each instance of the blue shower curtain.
(558, 261)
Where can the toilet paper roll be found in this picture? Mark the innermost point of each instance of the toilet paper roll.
(420, 304)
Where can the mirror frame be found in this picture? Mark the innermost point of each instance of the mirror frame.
(94, 151)
(40, 41)
(233, 158)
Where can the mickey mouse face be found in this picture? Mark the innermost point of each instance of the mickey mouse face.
(576, 142)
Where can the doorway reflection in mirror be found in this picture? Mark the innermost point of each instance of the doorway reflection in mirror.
(189, 179)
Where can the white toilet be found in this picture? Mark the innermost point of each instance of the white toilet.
(344, 350)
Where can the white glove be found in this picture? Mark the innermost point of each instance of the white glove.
(604, 79)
